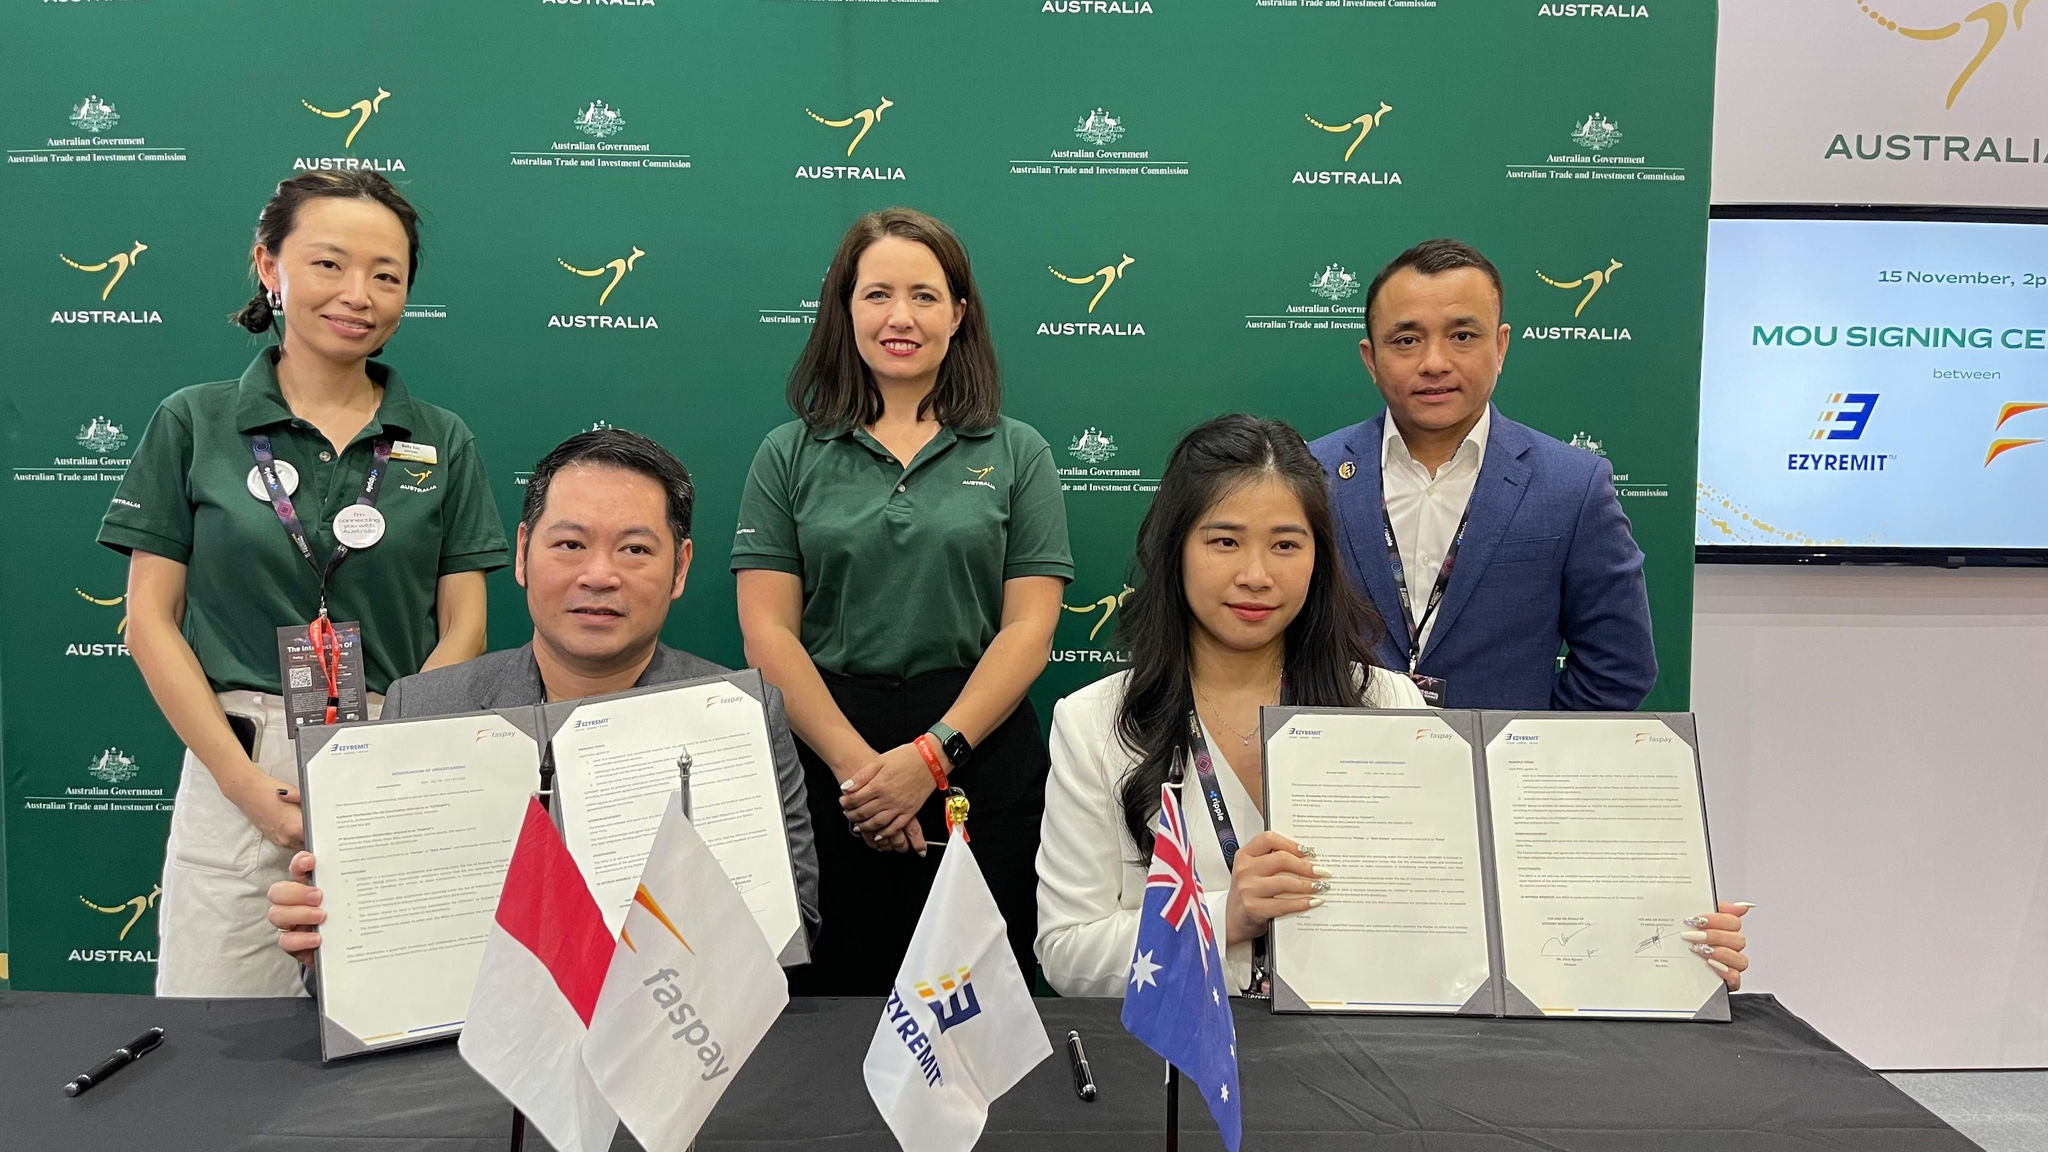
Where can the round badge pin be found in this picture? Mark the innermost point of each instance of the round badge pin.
(286, 475)
(1346, 470)
(358, 526)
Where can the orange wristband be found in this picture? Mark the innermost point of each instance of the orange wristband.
(931, 760)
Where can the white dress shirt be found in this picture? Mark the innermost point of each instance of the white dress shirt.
(1091, 880)
(1425, 510)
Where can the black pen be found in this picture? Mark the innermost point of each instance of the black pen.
(1084, 1077)
(123, 1056)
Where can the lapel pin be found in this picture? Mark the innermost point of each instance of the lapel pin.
(1346, 470)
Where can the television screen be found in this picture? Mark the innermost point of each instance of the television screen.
(1874, 385)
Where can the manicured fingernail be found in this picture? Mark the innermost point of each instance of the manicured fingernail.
(1717, 966)
(1692, 937)
(1305, 852)
(1315, 901)
(846, 785)
(920, 853)
(1704, 949)
(1742, 904)
(1696, 921)
(1325, 873)
(1319, 886)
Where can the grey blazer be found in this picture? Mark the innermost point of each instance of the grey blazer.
(510, 679)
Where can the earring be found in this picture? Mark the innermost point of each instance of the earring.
(276, 305)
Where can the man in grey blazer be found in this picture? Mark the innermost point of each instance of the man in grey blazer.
(603, 550)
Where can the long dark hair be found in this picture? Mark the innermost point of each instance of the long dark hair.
(281, 214)
(831, 387)
(1328, 642)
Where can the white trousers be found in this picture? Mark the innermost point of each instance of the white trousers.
(213, 935)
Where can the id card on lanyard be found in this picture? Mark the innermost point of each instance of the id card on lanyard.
(320, 664)
(1226, 835)
(1432, 687)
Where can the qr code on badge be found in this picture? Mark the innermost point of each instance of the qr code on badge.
(302, 678)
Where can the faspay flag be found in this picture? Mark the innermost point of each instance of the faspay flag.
(692, 989)
(959, 1028)
(544, 962)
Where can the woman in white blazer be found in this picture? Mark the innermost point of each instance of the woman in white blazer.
(1240, 603)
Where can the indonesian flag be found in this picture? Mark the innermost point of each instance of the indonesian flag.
(543, 966)
(692, 989)
(959, 1028)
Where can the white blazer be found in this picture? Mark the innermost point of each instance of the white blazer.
(1091, 881)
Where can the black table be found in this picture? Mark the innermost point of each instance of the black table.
(246, 1074)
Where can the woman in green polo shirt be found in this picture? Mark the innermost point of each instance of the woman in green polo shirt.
(901, 552)
(216, 569)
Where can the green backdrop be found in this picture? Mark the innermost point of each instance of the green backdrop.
(1195, 148)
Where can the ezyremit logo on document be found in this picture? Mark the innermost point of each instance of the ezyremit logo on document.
(96, 137)
(1335, 289)
(611, 272)
(856, 126)
(1353, 133)
(1591, 282)
(1101, 280)
(601, 144)
(356, 115)
(107, 273)
(1101, 151)
(1593, 152)
(1097, 617)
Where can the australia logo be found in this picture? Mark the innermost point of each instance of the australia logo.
(94, 115)
(618, 268)
(1593, 282)
(120, 262)
(1365, 123)
(1107, 606)
(1597, 133)
(1108, 274)
(1585, 442)
(113, 766)
(134, 907)
(1099, 128)
(1995, 17)
(102, 436)
(599, 121)
(867, 118)
(1334, 283)
(1092, 446)
(362, 110)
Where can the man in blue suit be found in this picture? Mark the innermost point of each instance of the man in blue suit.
(1484, 545)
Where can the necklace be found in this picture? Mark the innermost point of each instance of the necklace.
(1243, 738)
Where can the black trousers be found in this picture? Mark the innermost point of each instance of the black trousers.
(869, 901)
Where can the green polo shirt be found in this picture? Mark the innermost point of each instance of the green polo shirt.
(903, 569)
(186, 497)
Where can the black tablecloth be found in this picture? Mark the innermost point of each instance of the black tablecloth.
(246, 1074)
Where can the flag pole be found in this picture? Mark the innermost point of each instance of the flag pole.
(1172, 1108)
(544, 795)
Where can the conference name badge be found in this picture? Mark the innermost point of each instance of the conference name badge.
(417, 453)
(311, 673)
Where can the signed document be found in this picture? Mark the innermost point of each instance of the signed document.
(413, 823)
(1600, 844)
(1387, 800)
(616, 766)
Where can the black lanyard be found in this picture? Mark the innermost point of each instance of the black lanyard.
(1436, 591)
(1226, 833)
(281, 502)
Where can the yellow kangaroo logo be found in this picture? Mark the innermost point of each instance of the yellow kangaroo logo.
(618, 269)
(1110, 274)
(868, 118)
(120, 262)
(363, 108)
(140, 904)
(1598, 280)
(982, 473)
(1994, 17)
(1366, 123)
(114, 603)
(1107, 605)
(419, 477)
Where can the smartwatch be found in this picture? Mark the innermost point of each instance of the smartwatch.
(956, 746)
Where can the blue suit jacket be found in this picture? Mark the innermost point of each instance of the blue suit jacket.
(1547, 560)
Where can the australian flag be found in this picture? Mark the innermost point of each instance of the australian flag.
(1175, 1000)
